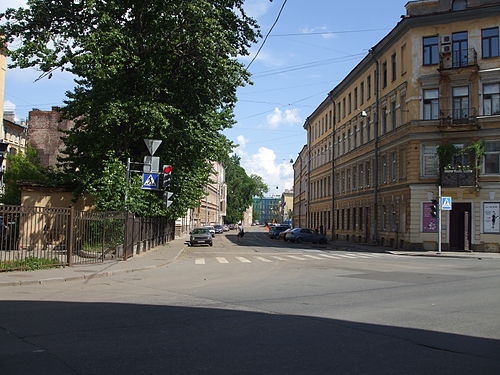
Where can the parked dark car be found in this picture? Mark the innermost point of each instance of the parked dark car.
(231, 226)
(219, 228)
(275, 230)
(305, 235)
(200, 236)
(282, 235)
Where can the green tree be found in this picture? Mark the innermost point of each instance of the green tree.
(145, 69)
(241, 188)
(23, 167)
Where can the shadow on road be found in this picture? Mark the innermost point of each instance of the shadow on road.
(106, 338)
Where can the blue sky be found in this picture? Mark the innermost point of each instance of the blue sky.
(313, 46)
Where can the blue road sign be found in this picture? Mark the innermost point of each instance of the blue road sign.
(446, 203)
(150, 181)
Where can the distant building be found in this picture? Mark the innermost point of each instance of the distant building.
(13, 142)
(286, 206)
(44, 134)
(300, 186)
(267, 209)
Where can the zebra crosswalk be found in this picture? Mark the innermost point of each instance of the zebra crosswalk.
(288, 257)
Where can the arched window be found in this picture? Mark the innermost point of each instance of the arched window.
(459, 5)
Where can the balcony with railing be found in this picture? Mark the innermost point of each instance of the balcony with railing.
(458, 59)
(461, 118)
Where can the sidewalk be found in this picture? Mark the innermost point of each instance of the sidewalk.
(151, 259)
(352, 246)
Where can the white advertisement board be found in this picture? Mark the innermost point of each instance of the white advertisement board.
(491, 220)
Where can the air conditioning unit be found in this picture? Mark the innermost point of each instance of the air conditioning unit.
(446, 49)
(445, 39)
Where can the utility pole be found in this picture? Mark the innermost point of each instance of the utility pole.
(439, 219)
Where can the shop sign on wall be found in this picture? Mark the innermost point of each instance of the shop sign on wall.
(429, 223)
(491, 221)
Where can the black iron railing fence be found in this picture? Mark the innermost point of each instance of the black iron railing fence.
(43, 236)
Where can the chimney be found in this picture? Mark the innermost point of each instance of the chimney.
(10, 116)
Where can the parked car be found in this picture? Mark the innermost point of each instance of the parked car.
(305, 235)
(275, 230)
(200, 236)
(226, 227)
(231, 226)
(219, 228)
(211, 229)
(282, 235)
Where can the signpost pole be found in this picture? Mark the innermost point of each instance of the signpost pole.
(439, 219)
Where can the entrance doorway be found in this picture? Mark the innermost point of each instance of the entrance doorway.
(457, 226)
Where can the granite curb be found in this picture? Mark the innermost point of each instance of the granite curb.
(100, 274)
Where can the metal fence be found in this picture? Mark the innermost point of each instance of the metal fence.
(34, 237)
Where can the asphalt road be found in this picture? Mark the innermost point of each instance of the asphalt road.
(262, 306)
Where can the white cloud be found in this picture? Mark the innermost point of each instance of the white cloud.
(279, 117)
(9, 106)
(278, 175)
(320, 29)
(257, 8)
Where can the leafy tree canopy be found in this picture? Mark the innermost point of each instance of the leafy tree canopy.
(145, 69)
(241, 188)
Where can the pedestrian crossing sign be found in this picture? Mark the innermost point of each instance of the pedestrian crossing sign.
(150, 181)
(446, 203)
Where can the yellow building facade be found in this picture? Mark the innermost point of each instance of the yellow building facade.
(372, 145)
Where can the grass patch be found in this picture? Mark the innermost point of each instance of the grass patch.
(30, 264)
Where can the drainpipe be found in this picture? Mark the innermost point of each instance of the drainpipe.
(375, 167)
(333, 222)
(308, 201)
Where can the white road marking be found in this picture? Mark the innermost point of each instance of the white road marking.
(277, 257)
(312, 256)
(264, 259)
(345, 256)
(243, 260)
(199, 261)
(296, 257)
(358, 255)
(329, 256)
(221, 260)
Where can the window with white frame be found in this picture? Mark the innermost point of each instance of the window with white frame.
(460, 102)
(429, 160)
(491, 99)
(431, 104)
(492, 157)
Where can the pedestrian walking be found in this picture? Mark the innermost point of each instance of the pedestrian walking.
(241, 231)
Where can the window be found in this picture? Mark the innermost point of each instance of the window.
(489, 39)
(431, 104)
(393, 166)
(459, 5)
(393, 67)
(367, 173)
(343, 143)
(349, 103)
(459, 47)
(330, 120)
(349, 148)
(362, 93)
(384, 169)
(384, 74)
(338, 111)
(492, 157)
(361, 133)
(402, 58)
(430, 50)
(368, 87)
(460, 102)
(384, 120)
(360, 175)
(355, 98)
(430, 161)
(355, 136)
(491, 99)
(354, 178)
(393, 115)
(343, 108)
(338, 146)
(368, 129)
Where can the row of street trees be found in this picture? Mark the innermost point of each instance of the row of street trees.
(144, 69)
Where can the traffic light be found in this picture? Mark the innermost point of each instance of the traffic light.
(166, 198)
(435, 208)
(167, 176)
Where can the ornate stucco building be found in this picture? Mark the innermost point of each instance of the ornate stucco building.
(372, 145)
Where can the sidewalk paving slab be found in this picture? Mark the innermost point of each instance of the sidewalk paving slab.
(155, 258)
